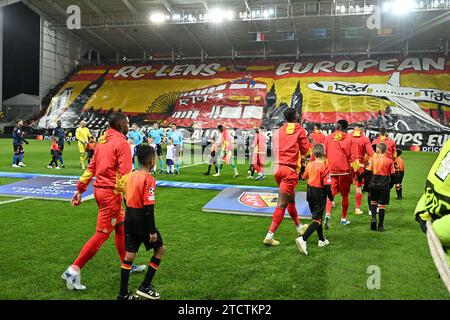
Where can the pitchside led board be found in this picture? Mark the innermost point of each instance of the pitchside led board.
(255, 202)
(50, 188)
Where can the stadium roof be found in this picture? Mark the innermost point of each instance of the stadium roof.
(291, 28)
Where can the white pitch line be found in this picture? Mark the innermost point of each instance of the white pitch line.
(192, 165)
(15, 200)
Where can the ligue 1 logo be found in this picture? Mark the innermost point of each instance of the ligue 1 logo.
(259, 199)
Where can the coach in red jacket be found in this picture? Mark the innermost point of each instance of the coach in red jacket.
(338, 146)
(111, 166)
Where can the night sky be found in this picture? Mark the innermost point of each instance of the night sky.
(20, 51)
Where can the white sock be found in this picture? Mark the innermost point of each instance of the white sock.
(269, 235)
(72, 271)
(328, 214)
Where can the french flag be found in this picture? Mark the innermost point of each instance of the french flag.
(260, 36)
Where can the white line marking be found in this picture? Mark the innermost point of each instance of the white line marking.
(15, 200)
(195, 164)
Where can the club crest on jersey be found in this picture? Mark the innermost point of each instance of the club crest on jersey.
(259, 199)
(151, 192)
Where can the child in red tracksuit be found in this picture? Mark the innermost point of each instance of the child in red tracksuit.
(54, 151)
(318, 191)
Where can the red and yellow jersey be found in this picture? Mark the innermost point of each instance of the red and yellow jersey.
(289, 144)
(317, 174)
(317, 137)
(111, 164)
(140, 190)
(338, 146)
(361, 146)
(399, 164)
(391, 146)
(259, 143)
(55, 146)
(382, 168)
(226, 140)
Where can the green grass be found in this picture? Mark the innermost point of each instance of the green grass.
(215, 256)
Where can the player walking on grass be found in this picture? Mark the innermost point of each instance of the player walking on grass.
(226, 154)
(382, 170)
(18, 141)
(82, 134)
(399, 165)
(362, 148)
(137, 138)
(289, 144)
(111, 165)
(140, 226)
(157, 134)
(338, 146)
(177, 141)
(259, 155)
(54, 152)
(318, 190)
(61, 135)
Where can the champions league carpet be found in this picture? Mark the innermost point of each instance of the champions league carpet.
(233, 199)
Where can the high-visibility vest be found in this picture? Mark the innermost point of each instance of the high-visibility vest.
(435, 202)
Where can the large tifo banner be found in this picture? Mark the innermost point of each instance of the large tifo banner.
(404, 94)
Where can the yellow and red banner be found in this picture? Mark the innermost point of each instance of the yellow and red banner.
(406, 93)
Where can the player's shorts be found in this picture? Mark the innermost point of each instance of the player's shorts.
(134, 240)
(355, 180)
(212, 160)
(18, 148)
(341, 184)
(379, 195)
(169, 162)
(110, 211)
(287, 179)
(317, 201)
(398, 177)
(159, 150)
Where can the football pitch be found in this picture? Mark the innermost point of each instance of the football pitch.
(214, 256)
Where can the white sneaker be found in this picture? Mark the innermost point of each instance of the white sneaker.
(49, 167)
(236, 174)
(345, 222)
(57, 168)
(301, 245)
(217, 174)
(250, 177)
(72, 280)
(301, 229)
(323, 243)
(15, 166)
(21, 164)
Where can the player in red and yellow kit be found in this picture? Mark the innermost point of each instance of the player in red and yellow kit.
(111, 165)
(391, 145)
(338, 146)
(399, 165)
(318, 191)
(362, 148)
(259, 153)
(381, 167)
(226, 154)
(289, 144)
(140, 226)
(317, 137)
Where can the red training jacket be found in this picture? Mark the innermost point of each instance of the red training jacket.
(289, 144)
(338, 146)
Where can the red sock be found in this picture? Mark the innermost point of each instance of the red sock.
(119, 240)
(292, 210)
(358, 200)
(276, 220)
(328, 207)
(90, 248)
(344, 206)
